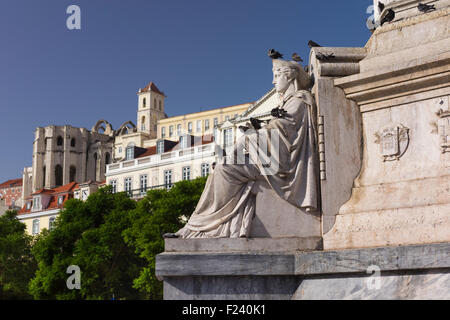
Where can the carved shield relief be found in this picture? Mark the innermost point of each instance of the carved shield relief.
(394, 140)
(444, 133)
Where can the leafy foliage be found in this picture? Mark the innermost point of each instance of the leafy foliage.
(89, 235)
(161, 211)
(17, 264)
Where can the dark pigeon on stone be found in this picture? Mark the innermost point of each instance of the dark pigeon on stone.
(273, 54)
(390, 15)
(324, 57)
(425, 7)
(380, 6)
(296, 57)
(170, 236)
(313, 44)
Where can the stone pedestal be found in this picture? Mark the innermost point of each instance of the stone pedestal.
(402, 194)
(409, 272)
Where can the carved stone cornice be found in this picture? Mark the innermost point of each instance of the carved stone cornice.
(399, 80)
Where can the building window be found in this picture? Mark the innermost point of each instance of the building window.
(72, 173)
(167, 179)
(183, 142)
(58, 175)
(51, 223)
(73, 142)
(199, 125)
(154, 103)
(59, 141)
(206, 124)
(144, 102)
(28, 205)
(120, 149)
(128, 186)
(186, 173)
(216, 122)
(35, 230)
(227, 137)
(163, 132)
(35, 203)
(179, 129)
(160, 105)
(143, 123)
(44, 177)
(160, 147)
(170, 131)
(143, 186)
(155, 128)
(227, 118)
(60, 200)
(129, 152)
(205, 169)
(95, 166)
(190, 127)
(113, 184)
(107, 160)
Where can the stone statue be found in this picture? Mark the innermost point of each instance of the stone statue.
(227, 205)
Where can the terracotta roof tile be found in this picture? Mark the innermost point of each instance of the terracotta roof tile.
(11, 183)
(150, 151)
(151, 87)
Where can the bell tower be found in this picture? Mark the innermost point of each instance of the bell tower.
(150, 109)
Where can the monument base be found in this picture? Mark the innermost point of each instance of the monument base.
(406, 272)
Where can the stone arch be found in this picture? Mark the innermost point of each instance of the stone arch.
(103, 126)
(44, 176)
(59, 141)
(95, 166)
(58, 175)
(126, 128)
(72, 173)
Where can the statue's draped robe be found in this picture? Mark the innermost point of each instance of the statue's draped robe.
(227, 205)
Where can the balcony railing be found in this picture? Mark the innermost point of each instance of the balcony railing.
(163, 158)
(141, 192)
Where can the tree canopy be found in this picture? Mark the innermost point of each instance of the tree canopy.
(17, 264)
(113, 240)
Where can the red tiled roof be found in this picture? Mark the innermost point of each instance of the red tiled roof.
(43, 191)
(66, 188)
(207, 138)
(151, 87)
(63, 191)
(11, 183)
(150, 151)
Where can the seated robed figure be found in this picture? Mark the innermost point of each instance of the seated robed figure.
(227, 205)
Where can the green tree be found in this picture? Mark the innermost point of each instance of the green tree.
(89, 235)
(17, 264)
(161, 211)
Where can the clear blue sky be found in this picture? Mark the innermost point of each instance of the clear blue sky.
(203, 54)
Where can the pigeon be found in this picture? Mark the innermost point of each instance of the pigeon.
(169, 235)
(324, 57)
(273, 54)
(296, 57)
(256, 123)
(390, 15)
(313, 44)
(425, 7)
(380, 6)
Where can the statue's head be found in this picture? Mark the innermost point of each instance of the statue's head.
(288, 73)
